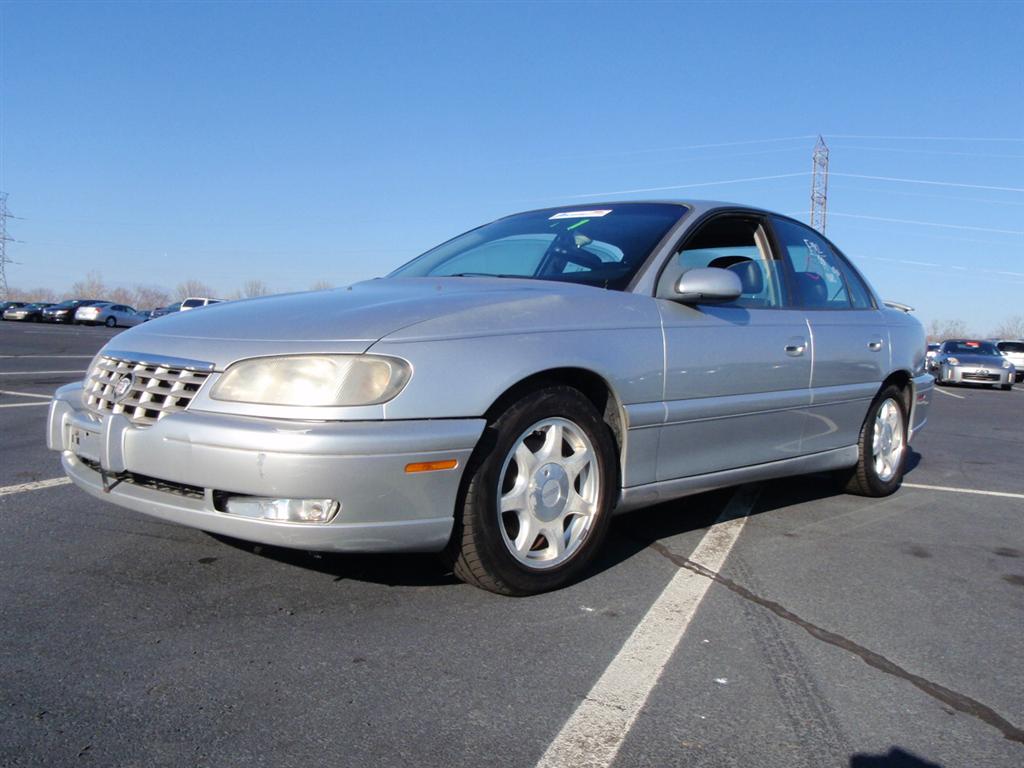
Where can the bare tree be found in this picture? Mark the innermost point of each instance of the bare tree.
(321, 285)
(946, 329)
(90, 287)
(254, 288)
(150, 297)
(120, 296)
(1011, 328)
(32, 294)
(192, 287)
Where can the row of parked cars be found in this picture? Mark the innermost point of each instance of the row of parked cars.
(995, 362)
(93, 311)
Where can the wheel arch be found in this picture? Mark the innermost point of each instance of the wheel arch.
(592, 385)
(904, 382)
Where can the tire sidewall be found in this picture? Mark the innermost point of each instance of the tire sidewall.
(878, 486)
(554, 402)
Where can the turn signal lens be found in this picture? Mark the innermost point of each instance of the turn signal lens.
(431, 466)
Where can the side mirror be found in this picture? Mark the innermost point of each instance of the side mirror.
(708, 285)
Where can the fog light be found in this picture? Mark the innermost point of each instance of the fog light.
(288, 510)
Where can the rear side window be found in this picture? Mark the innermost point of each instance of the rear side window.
(822, 279)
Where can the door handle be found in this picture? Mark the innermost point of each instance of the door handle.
(796, 347)
(875, 345)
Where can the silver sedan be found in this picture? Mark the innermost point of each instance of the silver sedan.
(109, 314)
(498, 398)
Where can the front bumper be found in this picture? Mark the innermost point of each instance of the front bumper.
(967, 374)
(179, 468)
(63, 318)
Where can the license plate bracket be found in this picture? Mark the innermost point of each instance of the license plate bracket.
(85, 443)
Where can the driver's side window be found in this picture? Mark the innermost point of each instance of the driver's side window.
(738, 244)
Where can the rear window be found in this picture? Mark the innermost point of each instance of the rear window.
(190, 303)
(1011, 346)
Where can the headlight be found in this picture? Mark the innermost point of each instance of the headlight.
(323, 380)
(952, 361)
(1007, 364)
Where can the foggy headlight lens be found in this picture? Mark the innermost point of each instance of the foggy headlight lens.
(952, 361)
(316, 380)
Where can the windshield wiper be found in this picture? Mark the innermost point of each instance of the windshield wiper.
(479, 274)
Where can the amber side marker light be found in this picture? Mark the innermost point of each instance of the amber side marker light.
(431, 466)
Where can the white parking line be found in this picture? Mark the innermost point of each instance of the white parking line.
(592, 736)
(38, 485)
(20, 405)
(34, 373)
(24, 394)
(947, 489)
(949, 394)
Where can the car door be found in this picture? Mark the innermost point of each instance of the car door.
(849, 337)
(737, 375)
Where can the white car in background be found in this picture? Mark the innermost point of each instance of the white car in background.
(1013, 350)
(194, 302)
(109, 314)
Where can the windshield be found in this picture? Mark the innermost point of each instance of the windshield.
(970, 348)
(602, 246)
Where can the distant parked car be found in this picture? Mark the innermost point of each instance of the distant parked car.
(966, 361)
(32, 313)
(931, 351)
(65, 311)
(4, 306)
(109, 314)
(161, 311)
(1013, 350)
(194, 302)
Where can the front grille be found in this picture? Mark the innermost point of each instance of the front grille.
(154, 390)
(145, 481)
(980, 376)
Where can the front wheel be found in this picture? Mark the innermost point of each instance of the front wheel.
(537, 495)
(882, 447)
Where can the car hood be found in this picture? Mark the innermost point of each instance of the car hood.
(350, 320)
(981, 361)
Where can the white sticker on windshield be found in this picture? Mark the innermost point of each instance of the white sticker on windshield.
(579, 214)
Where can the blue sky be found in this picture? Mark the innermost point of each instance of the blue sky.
(294, 142)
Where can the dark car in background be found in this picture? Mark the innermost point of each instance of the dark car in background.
(161, 311)
(65, 311)
(30, 313)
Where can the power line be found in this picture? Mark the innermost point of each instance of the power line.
(908, 150)
(928, 181)
(923, 138)
(690, 186)
(931, 224)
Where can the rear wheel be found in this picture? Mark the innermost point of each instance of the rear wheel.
(110, 322)
(537, 495)
(882, 447)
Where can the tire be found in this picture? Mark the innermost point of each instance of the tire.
(110, 322)
(490, 549)
(1006, 387)
(873, 475)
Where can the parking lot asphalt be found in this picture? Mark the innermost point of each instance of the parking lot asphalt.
(833, 630)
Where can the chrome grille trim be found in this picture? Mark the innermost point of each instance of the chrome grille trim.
(156, 390)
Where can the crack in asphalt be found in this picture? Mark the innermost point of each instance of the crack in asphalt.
(954, 699)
